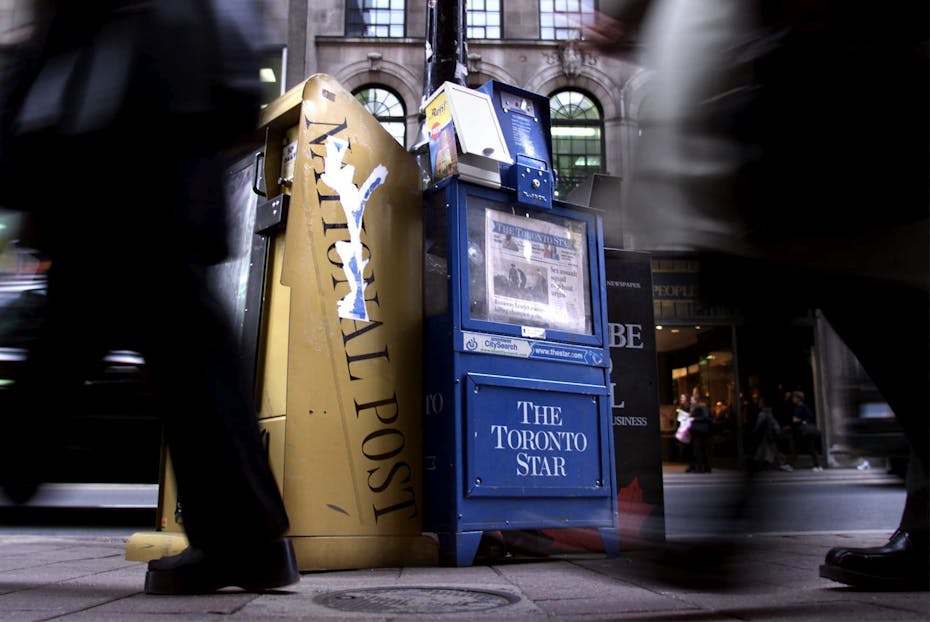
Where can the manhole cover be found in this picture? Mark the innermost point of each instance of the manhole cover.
(415, 600)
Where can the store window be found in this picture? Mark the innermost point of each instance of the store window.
(698, 360)
(577, 139)
(483, 19)
(387, 108)
(564, 20)
(375, 18)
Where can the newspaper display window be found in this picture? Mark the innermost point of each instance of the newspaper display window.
(528, 269)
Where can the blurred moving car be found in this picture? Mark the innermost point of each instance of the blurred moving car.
(875, 432)
(114, 435)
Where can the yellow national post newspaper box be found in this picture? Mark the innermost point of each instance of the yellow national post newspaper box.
(340, 353)
(353, 262)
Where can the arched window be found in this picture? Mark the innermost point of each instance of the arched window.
(387, 108)
(577, 139)
(563, 20)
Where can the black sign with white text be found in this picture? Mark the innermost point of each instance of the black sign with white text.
(634, 397)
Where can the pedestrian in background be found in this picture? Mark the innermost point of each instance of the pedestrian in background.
(702, 427)
(117, 118)
(767, 153)
(805, 432)
(766, 433)
(683, 418)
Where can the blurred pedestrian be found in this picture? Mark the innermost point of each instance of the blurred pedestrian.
(766, 433)
(758, 155)
(682, 415)
(702, 428)
(805, 432)
(118, 116)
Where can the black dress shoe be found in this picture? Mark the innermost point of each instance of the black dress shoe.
(194, 572)
(901, 564)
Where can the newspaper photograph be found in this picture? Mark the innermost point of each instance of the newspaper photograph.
(536, 272)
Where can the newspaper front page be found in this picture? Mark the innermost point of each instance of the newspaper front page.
(536, 272)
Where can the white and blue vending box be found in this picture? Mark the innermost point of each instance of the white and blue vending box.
(517, 427)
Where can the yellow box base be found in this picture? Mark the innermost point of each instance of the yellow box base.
(353, 552)
(314, 553)
(146, 546)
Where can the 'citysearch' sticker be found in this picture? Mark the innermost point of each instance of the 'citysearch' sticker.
(529, 349)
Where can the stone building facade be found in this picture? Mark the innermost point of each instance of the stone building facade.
(381, 44)
(509, 41)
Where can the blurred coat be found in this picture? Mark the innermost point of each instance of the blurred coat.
(130, 100)
(790, 132)
(785, 143)
(123, 113)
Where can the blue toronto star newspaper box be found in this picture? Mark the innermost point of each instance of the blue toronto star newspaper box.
(517, 430)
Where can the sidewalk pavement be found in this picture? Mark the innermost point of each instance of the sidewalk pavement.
(767, 578)
(754, 577)
(674, 474)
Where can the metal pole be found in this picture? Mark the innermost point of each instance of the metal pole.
(445, 44)
(445, 52)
